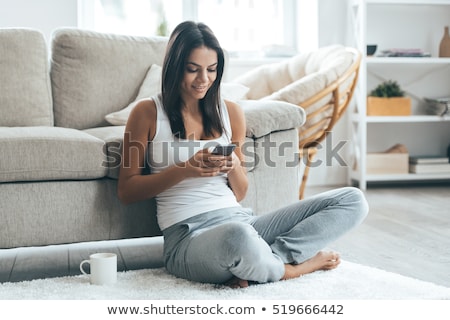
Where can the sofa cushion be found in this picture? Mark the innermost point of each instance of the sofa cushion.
(50, 153)
(25, 98)
(249, 152)
(113, 137)
(94, 74)
(149, 88)
(266, 116)
(332, 60)
(300, 90)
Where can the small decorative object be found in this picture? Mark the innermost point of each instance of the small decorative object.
(371, 49)
(387, 99)
(391, 161)
(444, 47)
(438, 106)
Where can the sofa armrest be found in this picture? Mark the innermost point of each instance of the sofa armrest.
(273, 178)
(266, 116)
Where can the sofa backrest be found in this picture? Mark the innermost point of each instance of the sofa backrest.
(25, 92)
(94, 74)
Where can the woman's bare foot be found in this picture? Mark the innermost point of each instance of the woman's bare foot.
(321, 261)
(236, 283)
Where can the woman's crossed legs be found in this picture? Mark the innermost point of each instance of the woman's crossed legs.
(284, 244)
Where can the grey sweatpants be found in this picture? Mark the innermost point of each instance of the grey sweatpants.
(215, 246)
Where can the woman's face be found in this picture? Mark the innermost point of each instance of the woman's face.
(199, 74)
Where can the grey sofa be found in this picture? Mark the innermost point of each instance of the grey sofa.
(59, 158)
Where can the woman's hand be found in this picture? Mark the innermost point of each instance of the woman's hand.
(230, 163)
(205, 164)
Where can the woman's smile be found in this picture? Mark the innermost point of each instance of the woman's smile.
(201, 88)
(200, 73)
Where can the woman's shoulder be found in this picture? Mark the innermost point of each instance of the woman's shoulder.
(144, 109)
(234, 110)
(142, 119)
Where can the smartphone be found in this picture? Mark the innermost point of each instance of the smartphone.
(223, 150)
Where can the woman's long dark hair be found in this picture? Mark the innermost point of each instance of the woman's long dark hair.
(186, 37)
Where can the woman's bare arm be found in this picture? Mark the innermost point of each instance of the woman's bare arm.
(133, 185)
(237, 176)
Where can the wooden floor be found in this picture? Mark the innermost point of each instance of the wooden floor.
(407, 231)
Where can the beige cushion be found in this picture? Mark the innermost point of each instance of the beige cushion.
(298, 78)
(233, 91)
(301, 89)
(50, 153)
(26, 98)
(94, 74)
(113, 137)
(249, 152)
(150, 87)
(265, 116)
(268, 78)
(257, 80)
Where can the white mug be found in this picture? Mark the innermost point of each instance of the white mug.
(103, 268)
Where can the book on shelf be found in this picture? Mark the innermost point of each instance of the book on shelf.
(428, 159)
(398, 52)
(430, 168)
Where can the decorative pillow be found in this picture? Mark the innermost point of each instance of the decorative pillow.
(258, 82)
(233, 91)
(151, 86)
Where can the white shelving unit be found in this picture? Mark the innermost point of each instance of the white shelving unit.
(406, 24)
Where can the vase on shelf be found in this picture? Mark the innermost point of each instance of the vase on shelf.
(444, 47)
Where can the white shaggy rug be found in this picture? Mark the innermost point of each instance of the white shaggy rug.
(348, 281)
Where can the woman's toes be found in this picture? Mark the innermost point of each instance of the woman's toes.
(236, 283)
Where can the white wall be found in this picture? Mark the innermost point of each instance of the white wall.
(44, 15)
(332, 29)
(332, 22)
(47, 15)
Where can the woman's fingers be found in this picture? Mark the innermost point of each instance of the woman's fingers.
(205, 164)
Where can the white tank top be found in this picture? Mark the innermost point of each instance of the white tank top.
(192, 196)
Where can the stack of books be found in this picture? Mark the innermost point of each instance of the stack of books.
(404, 53)
(429, 164)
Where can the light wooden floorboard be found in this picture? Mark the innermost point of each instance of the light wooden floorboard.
(407, 231)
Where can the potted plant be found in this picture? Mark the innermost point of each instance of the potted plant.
(388, 99)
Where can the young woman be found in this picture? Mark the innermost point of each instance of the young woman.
(208, 236)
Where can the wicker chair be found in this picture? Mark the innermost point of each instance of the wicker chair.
(321, 81)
